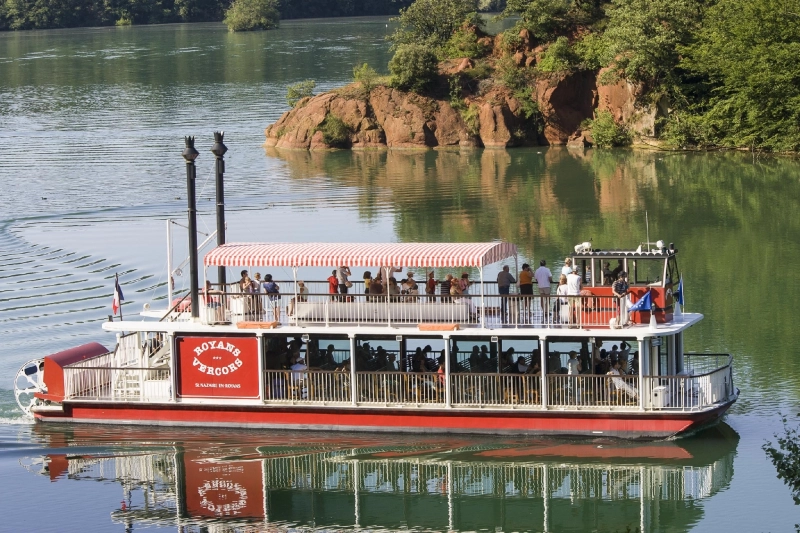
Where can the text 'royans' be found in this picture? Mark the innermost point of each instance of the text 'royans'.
(217, 370)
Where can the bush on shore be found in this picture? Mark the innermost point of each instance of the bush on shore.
(249, 15)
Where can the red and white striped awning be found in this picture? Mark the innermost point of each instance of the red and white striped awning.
(326, 254)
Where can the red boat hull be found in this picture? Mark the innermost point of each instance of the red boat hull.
(618, 424)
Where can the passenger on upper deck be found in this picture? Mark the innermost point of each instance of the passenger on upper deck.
(273, 295)
(333, 285)
(342, 273)
(394, 289)
(504, 281)
(367, 281)
(544, 278)
(567, 268)
(617, 270)
(430, 286)
(608, 275)
(444, 288)
(620, 290)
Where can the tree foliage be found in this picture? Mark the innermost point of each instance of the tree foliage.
(248, 15)
(606, 132)
(547, 19)
(750, 54)
(413, 67)
(366, 76)
(298, 91)
(785, 455)
(431, 22)
(642, 38)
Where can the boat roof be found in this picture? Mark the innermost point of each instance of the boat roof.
(327, 254)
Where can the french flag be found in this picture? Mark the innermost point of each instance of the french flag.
(118, 297)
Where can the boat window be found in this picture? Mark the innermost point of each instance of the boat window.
(326, 352)
(673, 274)
(558, 354)
(473, 354)
(514, 348)
(596, 355)
(646, 272)
(480, 354)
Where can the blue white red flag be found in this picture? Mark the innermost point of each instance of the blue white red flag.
(644, 303)
(118, 297)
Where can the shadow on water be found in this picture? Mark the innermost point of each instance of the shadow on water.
(184, 477)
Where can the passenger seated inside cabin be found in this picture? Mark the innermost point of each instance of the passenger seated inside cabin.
(520, 367)
(619, 384)
(508, 358)
(474, 359)
(617, 270)
(608, 275)
(418, 361)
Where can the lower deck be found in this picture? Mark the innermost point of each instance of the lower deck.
(621, 382)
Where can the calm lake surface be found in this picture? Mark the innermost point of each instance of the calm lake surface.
(92, 124)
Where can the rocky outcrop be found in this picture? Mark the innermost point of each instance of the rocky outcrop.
(624, 100)
(397, 119)
(565, 102)
(490, 116)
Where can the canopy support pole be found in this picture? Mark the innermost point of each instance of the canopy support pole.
(447, 399)
(353, 387)
(483, 302)
(296, 299)
(386, 272)
(515, 301)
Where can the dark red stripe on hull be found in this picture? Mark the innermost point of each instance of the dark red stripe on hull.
(628, 425)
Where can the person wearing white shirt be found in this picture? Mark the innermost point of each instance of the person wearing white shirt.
(573, 291)
(567, 268)
(544, 278)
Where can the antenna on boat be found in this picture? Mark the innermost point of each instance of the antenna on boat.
(219, 150)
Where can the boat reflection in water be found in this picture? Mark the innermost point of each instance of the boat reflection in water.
(215, 481)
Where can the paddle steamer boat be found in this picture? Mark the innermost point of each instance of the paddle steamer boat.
(222, 357)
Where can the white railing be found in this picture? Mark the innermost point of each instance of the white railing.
(307, 386)
(127, 352)
(358, 308)
(592, 391)
(117, 384)
(496, 389)
(690, 391)
(400, 387)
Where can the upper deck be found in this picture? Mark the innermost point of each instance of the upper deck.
(420, 300)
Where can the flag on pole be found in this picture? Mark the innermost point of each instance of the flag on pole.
(677, 294)
(118, 297)
(644, 303)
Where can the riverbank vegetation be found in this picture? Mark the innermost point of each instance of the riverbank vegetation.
(718, 74)
(43, 14)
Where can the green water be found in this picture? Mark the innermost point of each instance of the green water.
(91, 124)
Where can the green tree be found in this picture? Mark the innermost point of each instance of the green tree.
(643, 36)
(298, 91)
(785, 455)
(750, 54)
(40, 14)
(413, 67)
(547, 19)
(431, 22)
(366, 76)
(558, 57)
(248, 15)
(606, 132)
